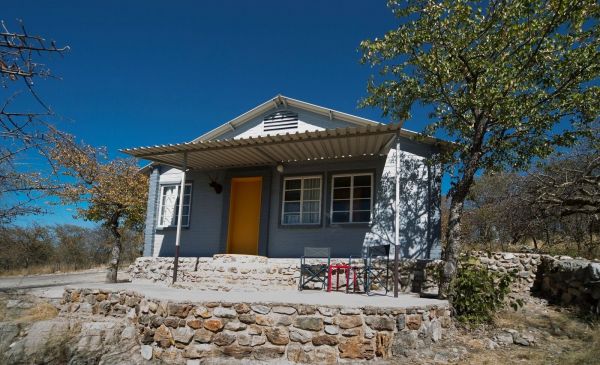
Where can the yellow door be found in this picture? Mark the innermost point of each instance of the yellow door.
(244, 215)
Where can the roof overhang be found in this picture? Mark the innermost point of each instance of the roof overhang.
(329, 144)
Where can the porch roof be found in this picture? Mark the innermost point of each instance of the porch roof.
(370, 140)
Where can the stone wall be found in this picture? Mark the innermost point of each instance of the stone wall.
(572, 282)
(299, 333)
(525, 266)
(253, 273)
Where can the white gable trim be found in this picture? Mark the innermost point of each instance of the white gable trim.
(275, 103)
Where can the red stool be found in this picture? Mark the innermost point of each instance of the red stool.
(337, 268)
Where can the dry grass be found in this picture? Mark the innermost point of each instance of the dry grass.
(48, 269)
(561, 338)
(39, 312)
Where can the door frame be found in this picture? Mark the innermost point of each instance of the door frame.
(265, 205)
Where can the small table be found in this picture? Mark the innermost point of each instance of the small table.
(337, 268)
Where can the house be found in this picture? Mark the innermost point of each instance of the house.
(289, 174)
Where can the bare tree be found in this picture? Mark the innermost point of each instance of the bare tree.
(22, 133)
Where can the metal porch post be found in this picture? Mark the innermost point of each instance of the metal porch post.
(397, 216)
(179, 217)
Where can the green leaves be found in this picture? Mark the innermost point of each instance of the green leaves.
(477, 293)
(501, 76)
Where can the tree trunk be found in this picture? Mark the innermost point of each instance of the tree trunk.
(452, 245)
(115, 255)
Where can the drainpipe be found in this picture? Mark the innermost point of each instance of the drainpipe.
(397, 216)
(179, 217)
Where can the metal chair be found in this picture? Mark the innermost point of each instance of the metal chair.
(314, 266)
(375, 270)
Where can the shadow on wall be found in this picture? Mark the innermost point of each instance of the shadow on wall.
(419, 208)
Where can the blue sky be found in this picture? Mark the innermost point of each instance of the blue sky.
(149, 72)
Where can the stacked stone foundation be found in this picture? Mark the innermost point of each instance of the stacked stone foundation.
(297, 333)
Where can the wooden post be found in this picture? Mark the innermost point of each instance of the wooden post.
(397, 217)
(179, 217)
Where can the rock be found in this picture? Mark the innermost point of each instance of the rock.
(213, 325)
(203, 336)
(321, 340)
(153, 307)
(282, 320)
(194, 323)
(258, 340)
(171, 322)
(241, 308)
(146, 352)
(260, 309)
(401, 322)
(402, 341)
(327, 311)
(309, 323)
(202, 312)
(128, 332)
(8, 332)
(296, 354)
(265, 353)
(508, 256)
(255, 329)
(331, 330)
(247, 318)
(305, 309)
(278, 335)
(264, 320)
(156, 321)
(224, 312)
(356, 348)
(504, 338)
(490, 344)
(380, 323)
(435, 330)
(235, 326)
(382, 344)
(349, 321)
(223, 339)
(284, 310)
(163, 336)
(326, 355)
(238, 352)
(351, 311)
(351, 332)
(178, 310)
(183, 335)
(413, 321)
(298, 335)
(197, 351)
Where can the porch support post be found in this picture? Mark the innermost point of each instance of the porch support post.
(179, 217)
(397, 217)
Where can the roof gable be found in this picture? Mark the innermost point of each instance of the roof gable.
(281, 115)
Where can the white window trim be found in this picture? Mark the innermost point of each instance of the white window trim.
(160, 202)
(351, 210)
(283, 201)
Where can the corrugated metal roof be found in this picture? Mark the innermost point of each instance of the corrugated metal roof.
(370, 140)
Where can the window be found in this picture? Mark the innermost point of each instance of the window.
(301, 200)
(351, 198)
(169, 205)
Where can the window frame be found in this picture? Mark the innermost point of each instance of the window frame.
(351, 198)
(160, 204)
(283, 201)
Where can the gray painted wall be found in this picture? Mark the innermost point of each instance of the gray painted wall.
(150, 224)
(420, 217)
